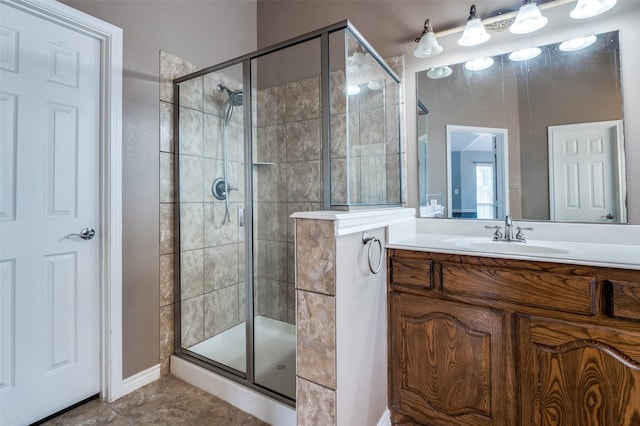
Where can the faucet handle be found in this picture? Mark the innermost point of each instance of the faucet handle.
(520, 234)
(497, 234)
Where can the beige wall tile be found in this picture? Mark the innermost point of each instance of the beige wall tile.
(167, 278)
(303, 99)
(315, 255)
(191, 94)
(315, 405)
(221, 310)
(304, 181)
(191, 132)
(191, 274)
(192, 321)
(167, 193)
(191, 226)
(316, 338)
(191, 172)
(166, 127)
(166, 330)
(220, 267)
(166, 228)
(303, 140)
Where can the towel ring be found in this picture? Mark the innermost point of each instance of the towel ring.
(370, 239)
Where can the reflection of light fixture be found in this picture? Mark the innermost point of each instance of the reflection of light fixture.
(439, 72)
(375, 84)
(479, 64)
(427, 43)
(353, 89)
(589, 8)
(529, 19)
(474, 32)
(577, 43)
(358, 60)
(525, 54)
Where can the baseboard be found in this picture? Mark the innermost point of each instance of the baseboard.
(385, 420)
(140, 379)
(258, 405)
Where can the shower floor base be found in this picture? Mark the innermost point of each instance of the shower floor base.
(275, 353)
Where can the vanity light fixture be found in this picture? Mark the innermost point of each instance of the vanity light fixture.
(479, 64)
(427, 43)
(588, 8)
(474, 31)
(439, 72)
(577, 43)
(525, 54)
(528, 19)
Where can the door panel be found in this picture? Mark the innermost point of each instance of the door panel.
(50, 92)
(582, 173)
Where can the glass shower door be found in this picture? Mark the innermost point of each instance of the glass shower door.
(287, 175)
(211, 198)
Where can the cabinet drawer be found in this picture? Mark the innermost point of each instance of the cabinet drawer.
(625, 300)
(413, 272)
(538, 289)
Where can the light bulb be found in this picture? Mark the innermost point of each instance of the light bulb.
(353, 89)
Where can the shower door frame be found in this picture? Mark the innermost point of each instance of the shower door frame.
(248, 378)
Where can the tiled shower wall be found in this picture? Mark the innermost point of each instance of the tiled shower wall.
(288, 179)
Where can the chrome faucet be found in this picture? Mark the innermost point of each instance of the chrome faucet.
(508, 231)
(508, 228)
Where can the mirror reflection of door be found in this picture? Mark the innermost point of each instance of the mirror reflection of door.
(586, 172)
(477, 180)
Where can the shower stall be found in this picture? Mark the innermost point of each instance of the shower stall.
(310, 124)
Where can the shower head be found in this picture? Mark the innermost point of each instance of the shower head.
(235, 97)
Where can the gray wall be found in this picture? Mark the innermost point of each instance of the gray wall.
(205, 33)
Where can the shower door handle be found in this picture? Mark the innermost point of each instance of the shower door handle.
(241, 217)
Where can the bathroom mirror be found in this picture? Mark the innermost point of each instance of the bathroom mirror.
(549, 109)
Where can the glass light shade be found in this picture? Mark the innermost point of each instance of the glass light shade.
(357, 62)
(353, 89)
(474, 33)
(525, 54)
(439, 72)
(428, 46)
(577, 43)
(588, 8)
(528, 20)
(479, 64)
(376, 84)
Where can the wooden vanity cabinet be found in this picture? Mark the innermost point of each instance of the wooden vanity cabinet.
(484, 341)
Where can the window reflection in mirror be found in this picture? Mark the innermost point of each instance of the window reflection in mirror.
(529, 98)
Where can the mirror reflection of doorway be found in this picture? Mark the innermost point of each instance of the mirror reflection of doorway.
(476, 166)
(586, 172)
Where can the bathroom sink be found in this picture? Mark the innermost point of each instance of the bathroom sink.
(508, 247)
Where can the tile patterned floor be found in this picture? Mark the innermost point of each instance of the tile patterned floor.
(167, 401)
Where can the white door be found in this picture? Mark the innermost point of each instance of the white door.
(582, 166)
(49, 318)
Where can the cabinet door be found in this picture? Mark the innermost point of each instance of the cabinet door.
(446, 362)
(574, 374)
